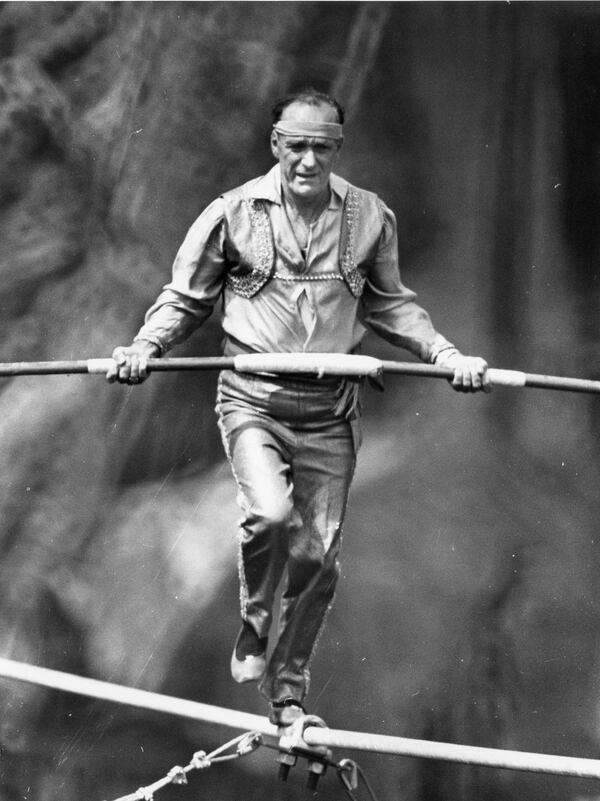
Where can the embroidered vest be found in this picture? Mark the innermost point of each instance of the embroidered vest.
(251, 247)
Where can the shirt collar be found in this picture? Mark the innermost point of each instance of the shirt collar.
(268, 187)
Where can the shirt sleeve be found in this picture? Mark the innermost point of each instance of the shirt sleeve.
(389, 308)
(197, 281)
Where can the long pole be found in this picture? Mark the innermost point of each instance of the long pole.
(319, 364)
(507, 378)
(100, 366)
(313, 735)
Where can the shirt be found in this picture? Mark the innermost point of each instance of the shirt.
(306, 305)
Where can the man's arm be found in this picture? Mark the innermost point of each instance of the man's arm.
(390, 309)
(184, 304)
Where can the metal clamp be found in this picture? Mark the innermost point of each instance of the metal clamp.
(293, 745)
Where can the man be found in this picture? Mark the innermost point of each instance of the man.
(298, 255)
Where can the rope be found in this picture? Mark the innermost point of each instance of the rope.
(246, 744)
(319, 364)
(348, 771)
(314, 736)
(117, 693)
(451, 752)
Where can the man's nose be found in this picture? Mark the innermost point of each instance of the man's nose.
(308, 157)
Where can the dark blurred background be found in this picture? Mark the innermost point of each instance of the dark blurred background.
(468, 609)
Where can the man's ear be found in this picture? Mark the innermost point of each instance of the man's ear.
(274, 145)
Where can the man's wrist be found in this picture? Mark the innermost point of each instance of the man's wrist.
(153, 346)
(444, 355)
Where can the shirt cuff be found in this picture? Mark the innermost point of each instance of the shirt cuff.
(441, 355)
(154, 341)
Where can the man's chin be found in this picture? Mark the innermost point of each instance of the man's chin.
(307, 190)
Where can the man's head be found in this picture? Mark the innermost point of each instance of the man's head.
(311, 97)
(306, 138)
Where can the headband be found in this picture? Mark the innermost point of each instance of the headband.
(322, 130)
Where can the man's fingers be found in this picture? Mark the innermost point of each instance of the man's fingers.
(133, 373)
(462, 378)
(112, 374)
(130, 364)
(134, 370)
(471, 376)
(486, 384)
(119, 356)
(476, 373)
(121, 370)
(482, 381)
(462, 381)
(143, 367)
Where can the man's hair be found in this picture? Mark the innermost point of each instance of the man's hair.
(310, 96)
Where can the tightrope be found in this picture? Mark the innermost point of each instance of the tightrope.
(131, 696)
(314, 736)
(319, 364)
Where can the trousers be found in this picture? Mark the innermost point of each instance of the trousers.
(292, 445)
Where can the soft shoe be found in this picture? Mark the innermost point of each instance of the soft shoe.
(248, 662)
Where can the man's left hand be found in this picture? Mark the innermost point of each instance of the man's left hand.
(470, 373)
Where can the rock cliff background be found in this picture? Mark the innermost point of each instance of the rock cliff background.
(468, 609)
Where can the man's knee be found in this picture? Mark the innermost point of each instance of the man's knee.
(272, 516)
(312, 565)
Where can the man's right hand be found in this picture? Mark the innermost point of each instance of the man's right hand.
(131, 364)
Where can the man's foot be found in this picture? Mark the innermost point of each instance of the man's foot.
(284, 713)
(248, 661)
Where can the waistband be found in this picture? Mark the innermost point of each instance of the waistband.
(344, 392)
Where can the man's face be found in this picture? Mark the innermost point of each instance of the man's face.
(306, 162)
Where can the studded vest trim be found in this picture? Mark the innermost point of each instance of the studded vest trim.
(249, 282)
(263, 252)
(348, 268)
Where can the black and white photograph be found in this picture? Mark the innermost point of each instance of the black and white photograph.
(300, 400)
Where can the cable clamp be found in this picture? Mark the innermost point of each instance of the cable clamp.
(177, 775)
(292, 745)
(200, 761)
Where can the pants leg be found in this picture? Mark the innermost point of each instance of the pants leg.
(263, 479)
(293, 459)
(322, 466)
